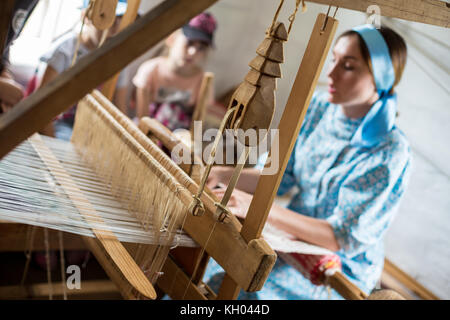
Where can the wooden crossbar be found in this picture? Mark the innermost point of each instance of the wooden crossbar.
(434, 12)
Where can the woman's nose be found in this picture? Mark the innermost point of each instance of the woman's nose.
(332, 70)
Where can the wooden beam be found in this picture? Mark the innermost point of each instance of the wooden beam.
(203, 101)
(13, 238)
(177, 284)
(128, 18)
(6, 10)
(97, 288)
(345, 287)
(406, 280)
(387, 281)
(39, 109)
(434, 12)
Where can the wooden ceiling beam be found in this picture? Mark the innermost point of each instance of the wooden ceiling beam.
(434, 12)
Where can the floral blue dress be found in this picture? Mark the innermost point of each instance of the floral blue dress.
(356, 189)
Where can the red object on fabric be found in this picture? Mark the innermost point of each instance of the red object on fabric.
(312, 266)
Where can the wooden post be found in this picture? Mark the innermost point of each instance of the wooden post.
(128, 18)
(410, 283)
(345, 287)
(35, 112)
(289, 128)
(204, 96)
(6, 10)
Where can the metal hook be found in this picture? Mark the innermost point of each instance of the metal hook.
(197, 208)
(222, 212)
(335, 11)
(326, 20)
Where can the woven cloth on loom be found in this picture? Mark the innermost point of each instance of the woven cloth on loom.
(312, 261)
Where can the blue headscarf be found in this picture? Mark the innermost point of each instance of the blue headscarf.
(381, 117)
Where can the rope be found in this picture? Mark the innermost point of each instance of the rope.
(293, 15)
(85, 16)
(291, 18)
(275, 18)
(200, 258)
(77, 45)
(196, 208)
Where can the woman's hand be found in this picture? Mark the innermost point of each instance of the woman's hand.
(239, 201)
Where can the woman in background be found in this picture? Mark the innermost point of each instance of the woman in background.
(168, 86)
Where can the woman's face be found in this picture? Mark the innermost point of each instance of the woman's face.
(188, 53)
(350, 82)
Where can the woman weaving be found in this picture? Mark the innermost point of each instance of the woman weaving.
(350, 164)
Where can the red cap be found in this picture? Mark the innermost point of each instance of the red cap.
(202, 28)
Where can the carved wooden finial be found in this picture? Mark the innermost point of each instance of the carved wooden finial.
(278, 32)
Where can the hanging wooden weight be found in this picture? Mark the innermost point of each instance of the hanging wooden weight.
(255, 96)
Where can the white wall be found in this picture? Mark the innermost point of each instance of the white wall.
(419, 239)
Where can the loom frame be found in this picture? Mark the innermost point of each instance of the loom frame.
(33, 113)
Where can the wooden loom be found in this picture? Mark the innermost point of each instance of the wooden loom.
(16, 126)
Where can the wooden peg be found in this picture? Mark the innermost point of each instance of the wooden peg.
(203, 99)
(6, 11)
(128, 18)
